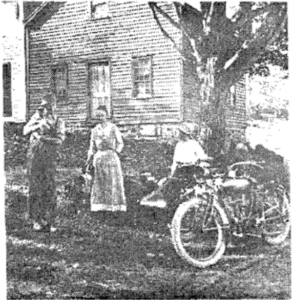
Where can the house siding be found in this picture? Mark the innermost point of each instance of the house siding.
(12, 39)
(70, 36)
(236, 115)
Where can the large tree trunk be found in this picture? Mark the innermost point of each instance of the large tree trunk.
(212, 108)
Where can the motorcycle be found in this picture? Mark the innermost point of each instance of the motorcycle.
(221, 206)
(214, 207)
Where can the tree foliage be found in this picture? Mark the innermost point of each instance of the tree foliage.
(223, 49)
(255, 34)
(269, 95)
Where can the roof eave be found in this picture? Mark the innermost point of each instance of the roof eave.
(34, 14)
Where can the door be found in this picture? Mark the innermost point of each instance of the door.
(99, 87)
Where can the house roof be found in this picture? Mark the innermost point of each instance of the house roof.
(29, 7)
(36, 13)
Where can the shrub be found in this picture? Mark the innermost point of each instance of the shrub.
(15, 145)
(153, 156)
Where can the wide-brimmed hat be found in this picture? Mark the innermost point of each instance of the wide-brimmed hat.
(47, 101)
(186, 129)
(44, 103)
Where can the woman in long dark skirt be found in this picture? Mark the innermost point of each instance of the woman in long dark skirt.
(47, 131)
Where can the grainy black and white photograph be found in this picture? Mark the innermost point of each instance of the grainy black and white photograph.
(146, 149)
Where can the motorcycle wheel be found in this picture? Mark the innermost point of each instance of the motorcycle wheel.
(198, 244)
(277, 216)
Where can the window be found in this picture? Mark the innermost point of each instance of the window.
(7, 104)
(99, 9)
(232, 96)
(99, 86)
(142, 77)
(59, 81)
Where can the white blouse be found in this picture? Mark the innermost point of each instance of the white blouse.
(187, 152)
(105, 137)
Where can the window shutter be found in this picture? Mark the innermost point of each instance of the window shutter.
(7, 102)
(135, 77)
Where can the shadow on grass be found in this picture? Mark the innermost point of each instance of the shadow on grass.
(106, 256)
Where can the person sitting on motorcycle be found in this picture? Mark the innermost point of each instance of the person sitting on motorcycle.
(186, 154)
(187, 151)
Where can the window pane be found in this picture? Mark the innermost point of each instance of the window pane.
(232, 95)
(135, 89)
(147, 78)
(146, 64)
(59, 81)
(135, 70)
(142, 77)
(101, 77)
(107, 79)
(148, 87)
(142, 89)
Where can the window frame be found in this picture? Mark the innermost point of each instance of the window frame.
(53, 83)
(91, 5)
(134, 94)
(9, 70)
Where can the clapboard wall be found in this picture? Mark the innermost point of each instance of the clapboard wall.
(73, 38)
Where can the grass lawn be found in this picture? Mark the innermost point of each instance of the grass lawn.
(93, 258)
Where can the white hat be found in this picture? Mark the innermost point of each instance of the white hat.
(186, 129)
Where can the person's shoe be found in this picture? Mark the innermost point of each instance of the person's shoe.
(53, 229)
(37, 227)
(153, 201)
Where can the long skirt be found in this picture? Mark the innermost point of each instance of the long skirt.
(41, 169)
(107, 193)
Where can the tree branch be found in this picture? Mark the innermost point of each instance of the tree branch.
(195, 52)
(163, 13)
(207, 27)
(235, 56)
(165, 33)
(177, 9)
(251, 49)
(166, 15)
(244, 17)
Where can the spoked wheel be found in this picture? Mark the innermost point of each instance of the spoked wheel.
(277, 216)
(198, 239)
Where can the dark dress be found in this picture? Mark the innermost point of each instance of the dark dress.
(41, 171)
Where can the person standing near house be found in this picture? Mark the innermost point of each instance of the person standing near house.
(107, 193)
(47, 131)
